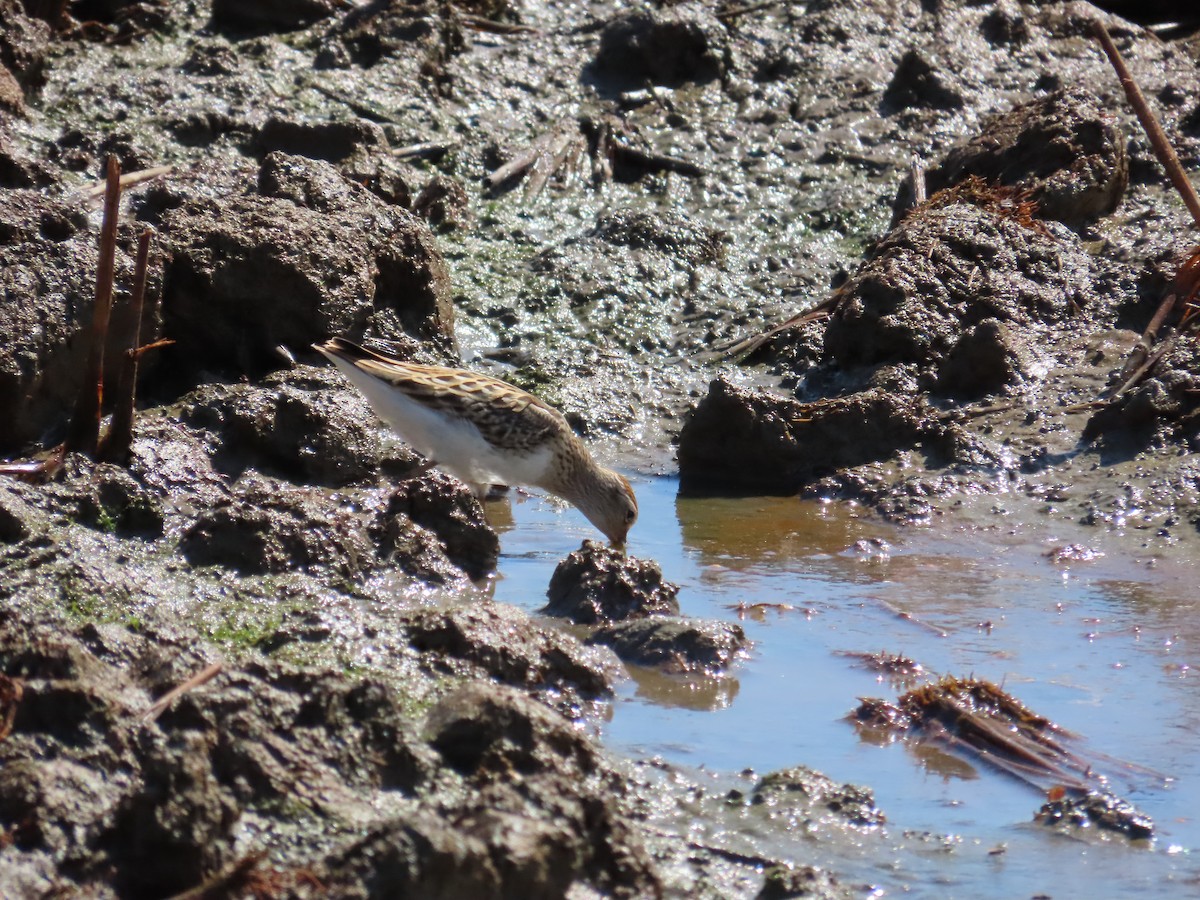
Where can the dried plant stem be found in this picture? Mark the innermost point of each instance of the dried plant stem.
(1158, 140)
(84, 435)
(229, 882)
(120, 432)
(917, 170)
(128, 180)
(208, 673)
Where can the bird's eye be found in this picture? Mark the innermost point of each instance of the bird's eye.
(630, 515)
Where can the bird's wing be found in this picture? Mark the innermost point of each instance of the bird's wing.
(507, 416)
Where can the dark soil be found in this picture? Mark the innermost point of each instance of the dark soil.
(677, 178)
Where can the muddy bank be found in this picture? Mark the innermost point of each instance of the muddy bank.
(676, 179)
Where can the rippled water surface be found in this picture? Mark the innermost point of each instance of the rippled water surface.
(1105, 648)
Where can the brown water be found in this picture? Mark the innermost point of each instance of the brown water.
(1105, 648)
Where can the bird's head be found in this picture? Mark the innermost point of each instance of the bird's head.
(610, 505)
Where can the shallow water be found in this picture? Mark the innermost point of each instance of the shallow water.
(1106, 648)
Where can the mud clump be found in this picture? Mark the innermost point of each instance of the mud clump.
(302, 424)
(120, 503)
(918, 83)
(446, 507)
(24, 43)
(1096, 811)
(493, 641)
(269, 527)
(670, 46)
(786, 881)
(948, 268)
(668, 232)
(988, 358)
(759, 441)
(1164, 406)
(599, 584)
(638, 613)
(674, 644)
(289, 255)
(794, 794)
(1063, 151)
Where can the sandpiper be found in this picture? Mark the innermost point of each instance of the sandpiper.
(486, 431)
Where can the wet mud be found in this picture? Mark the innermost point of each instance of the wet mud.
(607, 208)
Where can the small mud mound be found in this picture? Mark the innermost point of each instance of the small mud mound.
(638, 614)
(674, 644)
(303, 424)
(1062, 151)
(599, 584)
(499, 642)
(747, 440)
(1095, 811)
(289, 255)
(671, 46)
(945, 269)
(800, 794)
(446, 507)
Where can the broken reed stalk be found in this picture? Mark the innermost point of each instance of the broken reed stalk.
(84, 434)
(1158, 139)
(120, 431)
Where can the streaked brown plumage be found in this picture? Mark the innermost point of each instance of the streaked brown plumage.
(487, 431)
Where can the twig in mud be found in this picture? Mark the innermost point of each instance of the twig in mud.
(36, 469)
(205, 675)
(423, 149)
(1143, 370)
(84, 434)
(749, 345)
(520, 163)
(917, 172)
(1158, 140)
(479, 23)
(362, 106)
(909, 617)
(975, 412)
(655, 162)
(226, 883)
(128, 180)
(120, 431)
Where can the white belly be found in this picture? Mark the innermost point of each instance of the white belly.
(454, 444)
